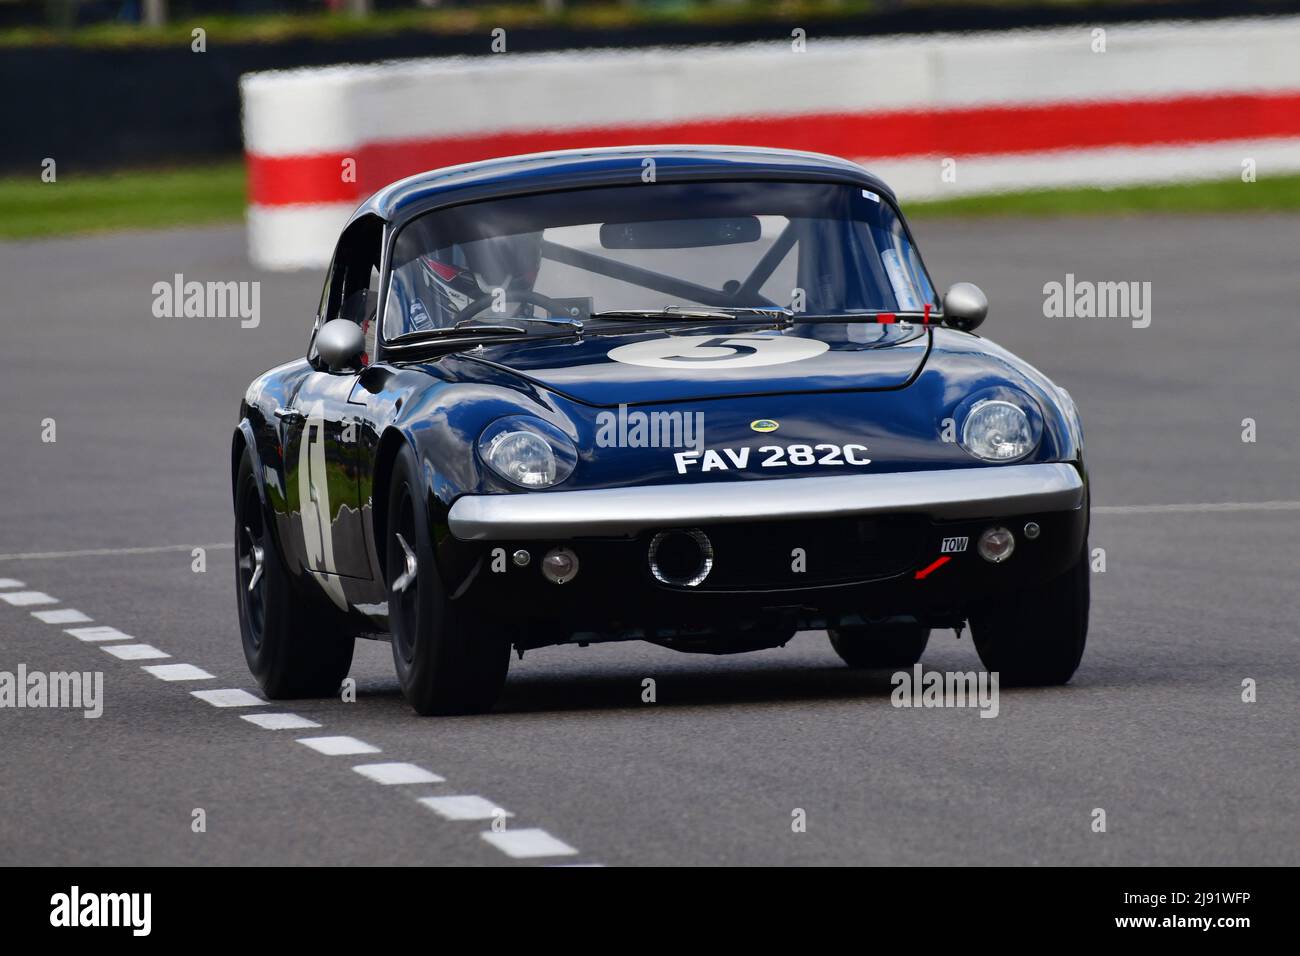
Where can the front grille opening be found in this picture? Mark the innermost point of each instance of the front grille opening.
(793, 554)
(681, 558)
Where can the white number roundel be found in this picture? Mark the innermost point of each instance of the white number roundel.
(742, 350)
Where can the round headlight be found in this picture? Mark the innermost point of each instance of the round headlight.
(522, 457)
(527, 452)
(997, 431)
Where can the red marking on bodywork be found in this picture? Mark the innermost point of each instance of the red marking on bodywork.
(886, 318)
(925, 572)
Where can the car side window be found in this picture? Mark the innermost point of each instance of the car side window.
(352, 287)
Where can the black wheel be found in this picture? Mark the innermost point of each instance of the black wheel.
(292, 647)
(444, 663)
(888, 644)
(1036, 637)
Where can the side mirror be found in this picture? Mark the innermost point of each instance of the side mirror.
(340, 344)
(965, 306)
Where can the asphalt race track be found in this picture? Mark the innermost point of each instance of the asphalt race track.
(1153, 729)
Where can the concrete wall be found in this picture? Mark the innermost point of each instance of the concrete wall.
(935, 115)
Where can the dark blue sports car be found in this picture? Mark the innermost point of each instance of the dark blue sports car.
(699, 396)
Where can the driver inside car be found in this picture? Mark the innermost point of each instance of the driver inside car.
(437, 289)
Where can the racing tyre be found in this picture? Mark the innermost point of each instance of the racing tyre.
(292, 647)
(890, 644)
(444, 663)
(1036, 637)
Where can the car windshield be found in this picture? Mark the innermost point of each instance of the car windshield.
(824, 249)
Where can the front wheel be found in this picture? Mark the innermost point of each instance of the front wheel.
(445, 664)
(888, 644)
(1036, 637)
(292, 648)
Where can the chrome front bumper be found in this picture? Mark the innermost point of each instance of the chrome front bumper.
(995, 491)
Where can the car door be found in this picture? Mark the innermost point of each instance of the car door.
(324, 447)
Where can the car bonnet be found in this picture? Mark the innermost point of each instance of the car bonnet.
(704, 361)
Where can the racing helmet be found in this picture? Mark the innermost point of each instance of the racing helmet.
(461, 273)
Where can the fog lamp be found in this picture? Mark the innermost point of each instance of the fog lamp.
(996, 545)
(560, 565)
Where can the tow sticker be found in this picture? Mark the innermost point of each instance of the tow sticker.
(745, 350)
(954, 545)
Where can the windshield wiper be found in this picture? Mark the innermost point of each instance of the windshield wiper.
(465, 329)
(424, 336)
(564, 320)
(690, 315)
(773, 310)
(872, 315)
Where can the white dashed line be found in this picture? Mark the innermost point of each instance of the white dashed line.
(228, 697)
(134, 652)
(394, 773)
(279, 721)
(1204, 506)
(464, 808)
(529, 843)
(98, 634)
(176, 671)
(23, 598)
(338, 746)
(62, 615)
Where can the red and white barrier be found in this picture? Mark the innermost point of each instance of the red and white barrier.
(934, 116)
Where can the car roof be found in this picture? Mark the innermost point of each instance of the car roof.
(608, 166)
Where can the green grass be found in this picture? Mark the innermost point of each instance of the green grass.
(1268, 194)
(609, 15)
(270, 28)
(140, 199)
(151, 199)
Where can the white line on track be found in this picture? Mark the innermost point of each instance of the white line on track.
(24, 598)
(228, 697)
(1210, 506)
(62, 615)
(103, 552)
(338, 746)
(177, 671)
(464, 807)
(98, 634)
(395, 773)
(279, 721)
(519, 844)
(528, 843)
(134, 652)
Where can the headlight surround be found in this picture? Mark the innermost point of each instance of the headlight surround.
(1000, 429)
(527, 452)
